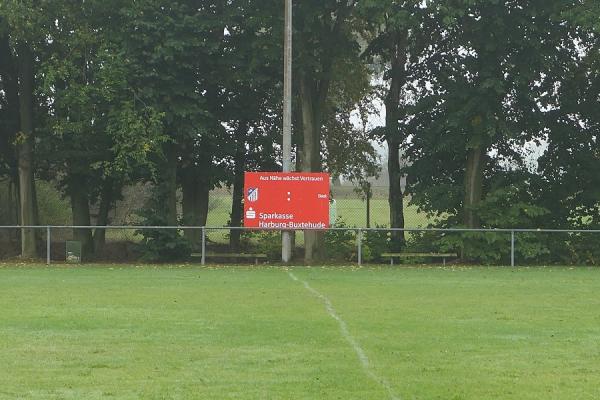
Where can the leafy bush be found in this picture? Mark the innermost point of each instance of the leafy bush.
(340, 245)
(505, 207)
(510, 207)
(160, 245)
(479, 247)
(572, 248)
(263, 242)
(269, 243)
(375, 243)
(54, 209)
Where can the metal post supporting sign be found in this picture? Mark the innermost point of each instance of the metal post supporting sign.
(286, 237)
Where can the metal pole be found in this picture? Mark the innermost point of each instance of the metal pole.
(203, 262)
(286, 237)
(48, 241)
(359, 240)
(512, 249)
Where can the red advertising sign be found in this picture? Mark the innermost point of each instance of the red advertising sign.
(275, 200)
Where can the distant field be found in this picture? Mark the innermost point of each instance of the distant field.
(182, 332)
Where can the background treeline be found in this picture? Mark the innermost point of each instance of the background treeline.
(184, 96)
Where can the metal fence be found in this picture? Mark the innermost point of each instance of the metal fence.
(342, 246)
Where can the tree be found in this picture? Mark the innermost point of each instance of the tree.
(250, 103)
(169, 48)
(568, 178)
(25, 26)
(394, 36)
(97, 136)
(323, 37)
(482, 82)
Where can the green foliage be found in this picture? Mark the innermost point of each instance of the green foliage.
(375, 243)
(262, 242)
(340, 245)
(160, 245)
(505, 207)
(53, 208)
(582, 248)
(477, 91)
(510, 207)
(428, 242)
(269, 243)
(163, 245)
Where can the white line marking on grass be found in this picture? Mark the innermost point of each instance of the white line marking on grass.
(362, 356)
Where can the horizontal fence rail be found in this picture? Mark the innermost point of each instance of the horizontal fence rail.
(359, 236)
(229, 228)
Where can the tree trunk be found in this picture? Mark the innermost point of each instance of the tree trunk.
(313, 92)
(311, 126)
(311, 103)
(203, 202)
(13, 204)
(28, 206)
(368, 198)
(196, 192)
(237, 206)
(106, 201)
(473, 186)
(80, 209)
(394, 138)
(168, 186)
(396, 197)
(8, 75)
(298, 137)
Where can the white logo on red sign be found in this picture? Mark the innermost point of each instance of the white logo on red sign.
(251, 214)
(253, 195)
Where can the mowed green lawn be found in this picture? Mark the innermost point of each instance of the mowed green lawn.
(185, 332)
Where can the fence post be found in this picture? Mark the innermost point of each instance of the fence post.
(48, 244)
(512, 249)
(359, 240)
(203, 262)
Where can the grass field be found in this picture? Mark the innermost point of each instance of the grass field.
(185, 332)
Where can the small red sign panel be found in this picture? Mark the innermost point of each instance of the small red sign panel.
(275, 200)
